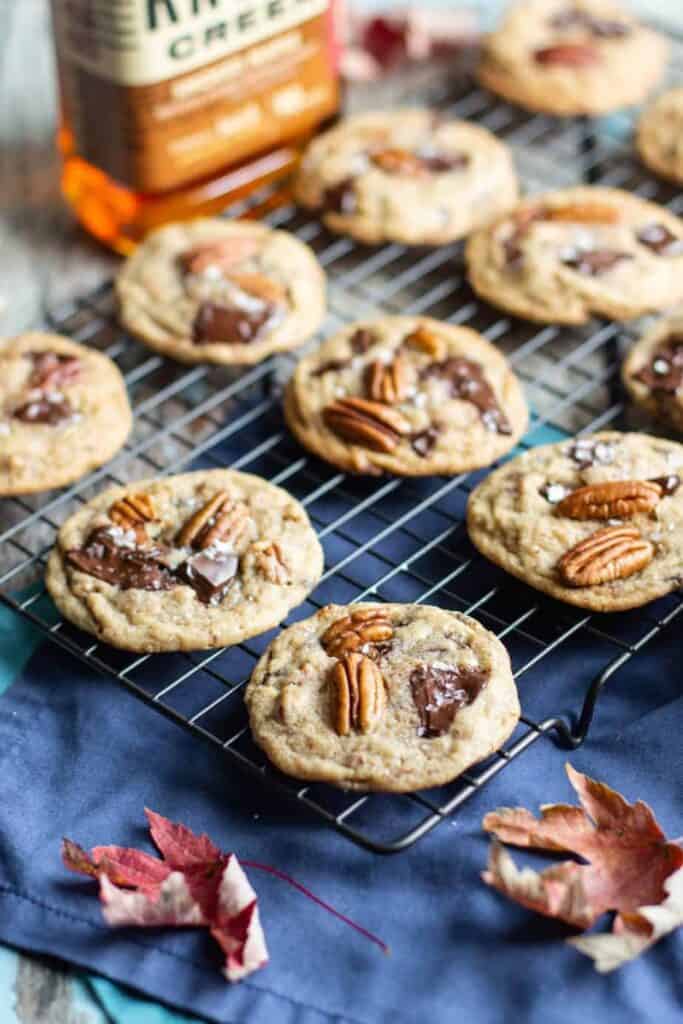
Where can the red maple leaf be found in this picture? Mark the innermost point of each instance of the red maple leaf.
(194, 885)
(628, 868)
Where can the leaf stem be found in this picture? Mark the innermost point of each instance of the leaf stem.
(316, 899)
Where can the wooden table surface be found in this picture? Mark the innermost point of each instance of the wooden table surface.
(44, 255)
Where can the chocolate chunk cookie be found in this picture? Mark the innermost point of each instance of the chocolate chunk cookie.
(596, 521)
(406, 395)
(572, 57)
(221, 291)
(409, 176)
(201, 560)
(63, 411)
(562, 256)
(385, 697)
(653, 371)
(660, 136)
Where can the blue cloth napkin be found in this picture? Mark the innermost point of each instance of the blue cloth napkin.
(79, 757)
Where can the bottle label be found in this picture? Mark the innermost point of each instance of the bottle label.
(159, 93)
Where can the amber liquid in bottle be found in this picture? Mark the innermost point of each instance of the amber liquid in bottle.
(175, 108)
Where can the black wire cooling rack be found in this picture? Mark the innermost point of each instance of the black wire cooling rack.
(387, 539)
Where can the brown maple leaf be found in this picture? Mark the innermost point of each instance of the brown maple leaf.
(629, 864)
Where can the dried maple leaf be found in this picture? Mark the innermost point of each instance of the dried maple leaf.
(634, 933)
(195, 885)
(630, 868)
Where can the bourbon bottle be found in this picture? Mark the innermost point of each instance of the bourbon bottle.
(172, 108)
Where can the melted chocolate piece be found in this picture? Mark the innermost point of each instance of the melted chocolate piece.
(512, 245)
(210, 574)
(591, 453)
(664, 372)
(669, 484)
(439, 694)
(229, 324)
(332, 364)
(341, 198)
(124, 567)
(52, 369)
(468, 382)
(441, 163)
(424, 441)
(45, 409)
(603, 28)
(362, 340)
(594, 262)
(659, 239)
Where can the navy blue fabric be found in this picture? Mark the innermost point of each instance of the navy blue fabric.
(79, 757)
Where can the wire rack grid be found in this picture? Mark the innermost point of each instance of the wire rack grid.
(386, 539)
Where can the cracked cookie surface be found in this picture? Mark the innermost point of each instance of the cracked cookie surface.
(406, 395)
(64, 411)
(220, 291)
(571, 57)
(190, 562)
(652, 371)
(596, 521)
(562, 256)
(383, 697)
(409, 176)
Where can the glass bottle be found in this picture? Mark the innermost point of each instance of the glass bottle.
(173, 108)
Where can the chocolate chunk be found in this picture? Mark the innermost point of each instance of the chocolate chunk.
(362, 340)
(424, 441)
(52, 369)
(341, 198)
(48, 409)
(210, 574)
(662, 241)
(468, 382)
(439, 694)
(664, 372)
(594, 262)
(441, 163)
(231, 325)
(521, 223)
(591, 453)
(128, 568)
(669, 484)
(572, 55)
(332, 364)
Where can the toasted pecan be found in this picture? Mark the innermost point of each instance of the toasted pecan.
(613, 553)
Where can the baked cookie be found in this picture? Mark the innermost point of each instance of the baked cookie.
(410, 176)
(386, 697)
(201, 560)
(659, 138)
(221, 291)
(653, 371)
(406, 395)
(595, 521)
(572, 57)
(562, 256)
(63, 411)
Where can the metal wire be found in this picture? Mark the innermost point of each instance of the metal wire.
(392, 539)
